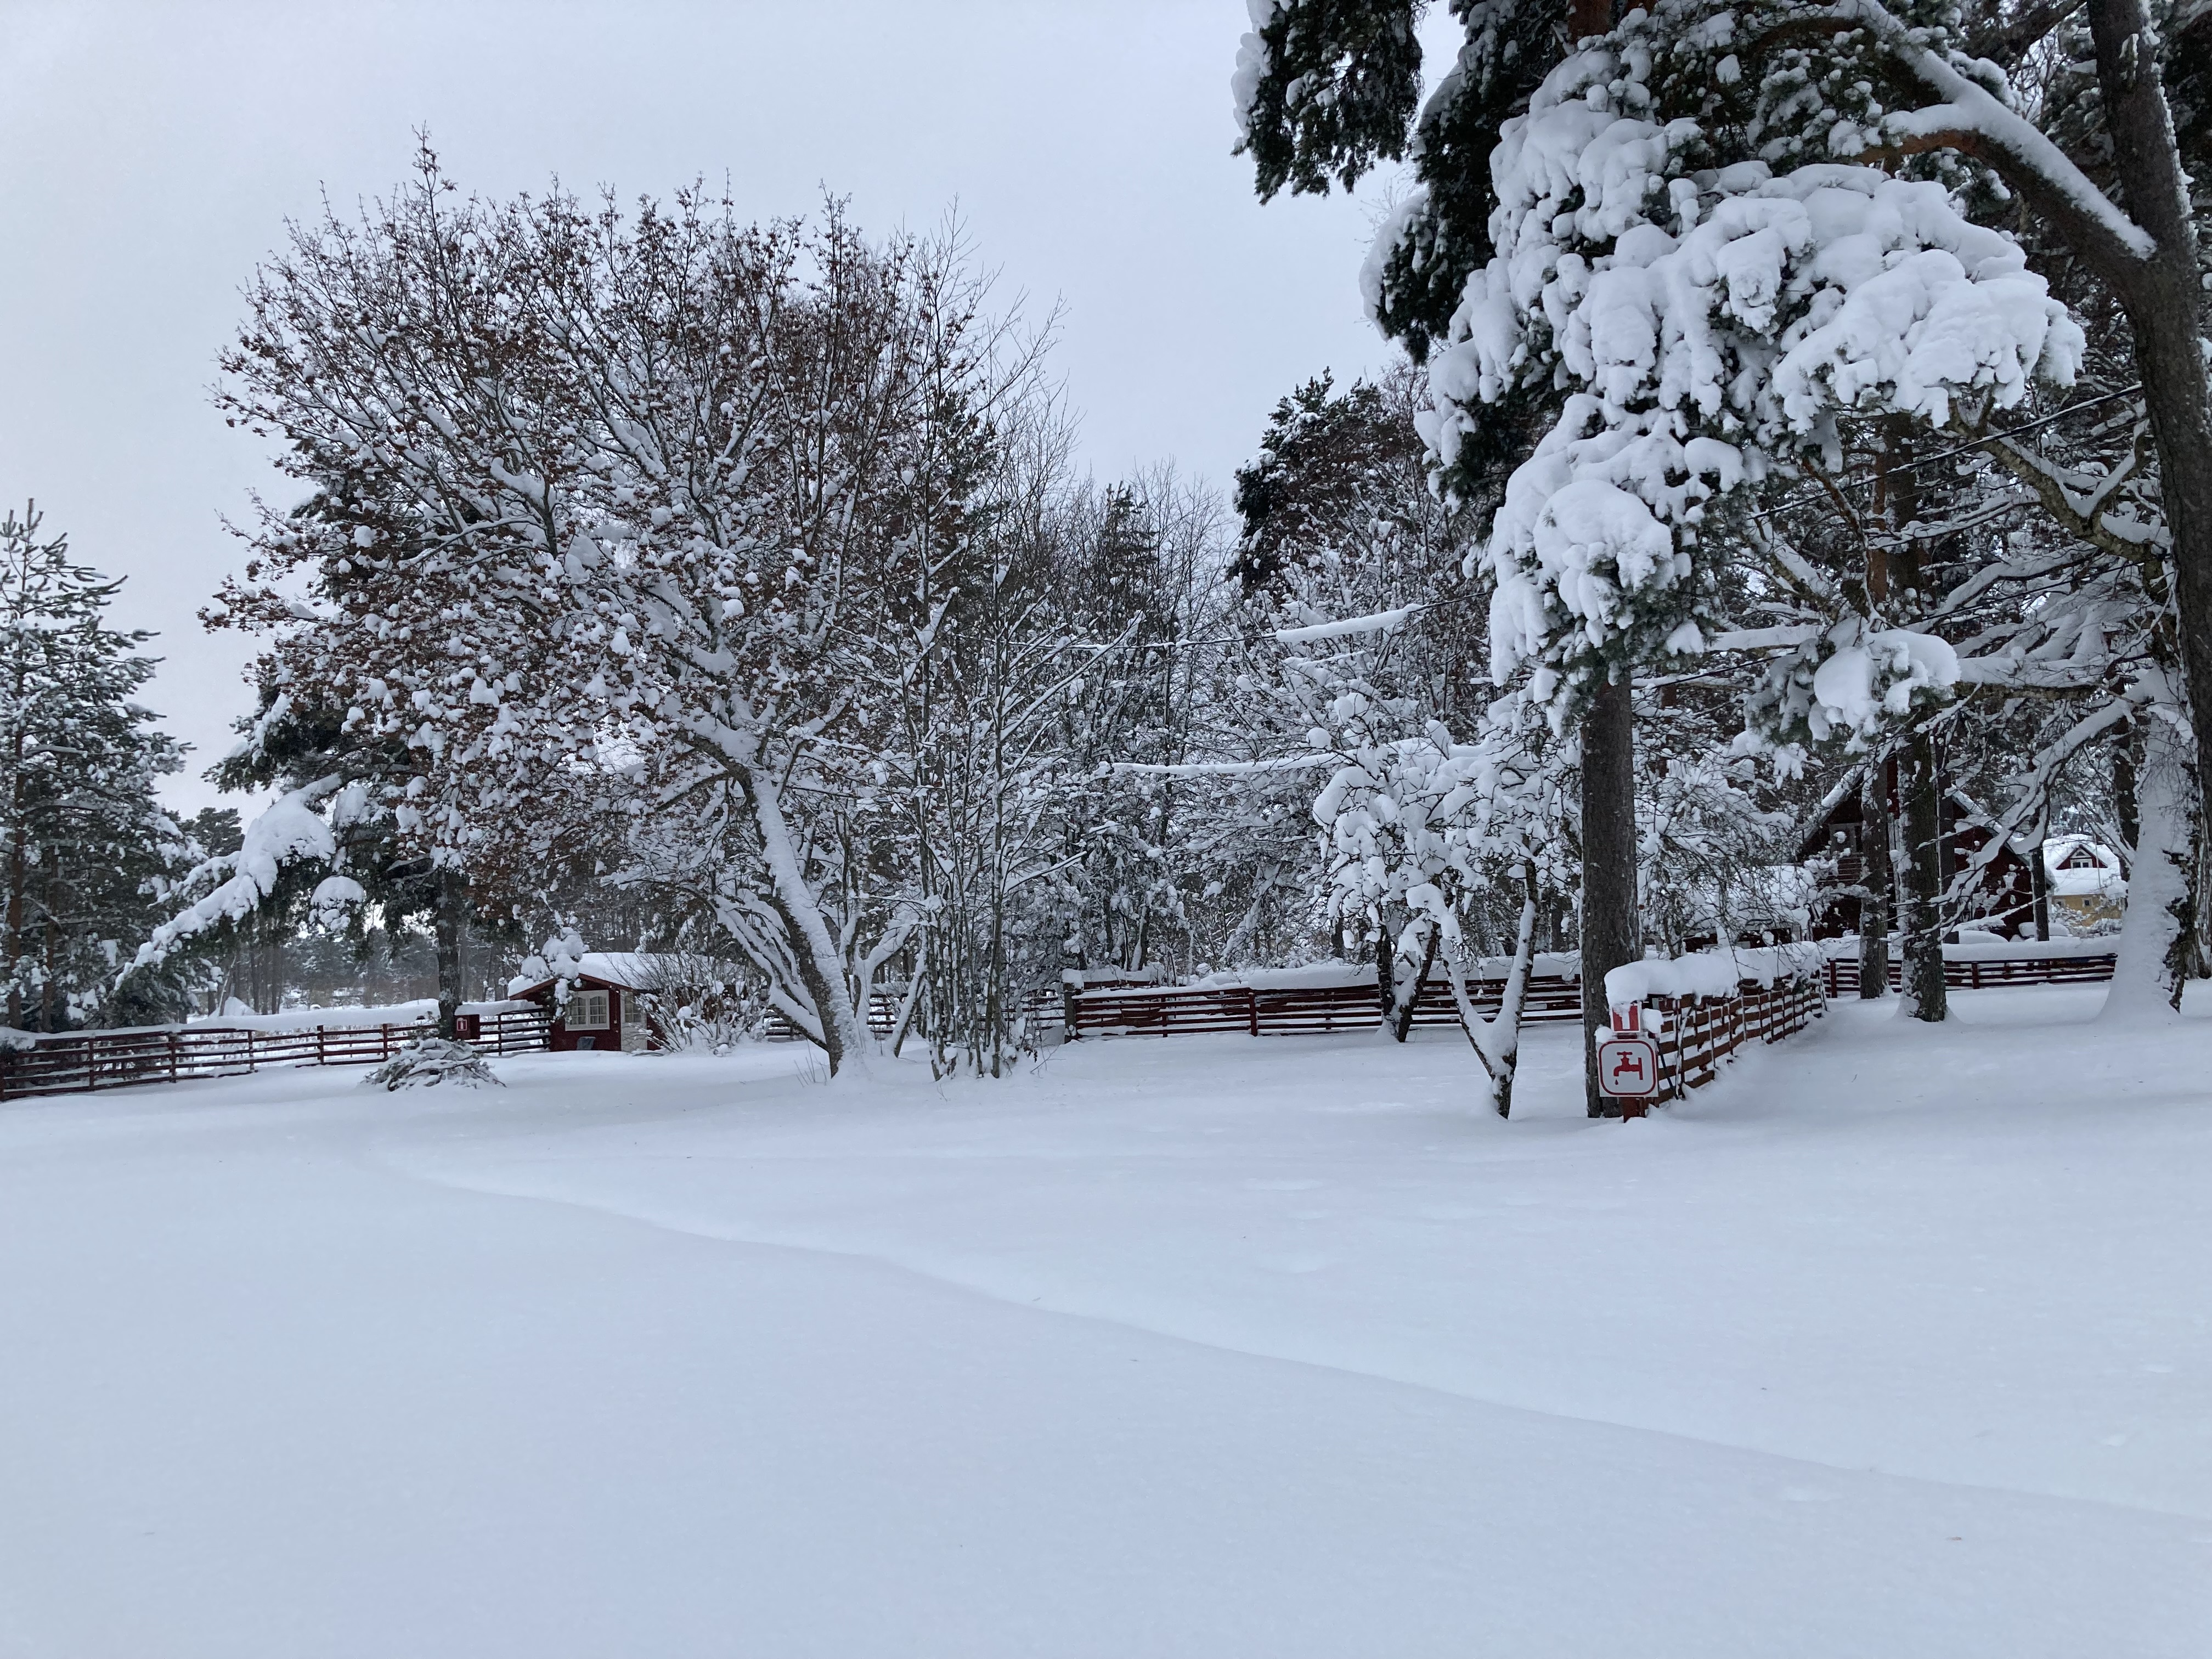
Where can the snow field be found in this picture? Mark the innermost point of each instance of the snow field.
(1889, 1343)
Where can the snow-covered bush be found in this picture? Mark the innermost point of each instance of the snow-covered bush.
(431, 1062)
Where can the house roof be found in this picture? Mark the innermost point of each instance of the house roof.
(627, 970)
(2102, 879)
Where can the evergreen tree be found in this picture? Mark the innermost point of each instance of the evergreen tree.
(1324, 89)
(85, 846)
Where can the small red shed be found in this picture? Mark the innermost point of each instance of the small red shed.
(605, 1009)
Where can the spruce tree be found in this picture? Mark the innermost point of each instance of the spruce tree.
(84, 845)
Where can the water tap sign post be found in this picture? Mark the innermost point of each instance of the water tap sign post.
(1628, 1066)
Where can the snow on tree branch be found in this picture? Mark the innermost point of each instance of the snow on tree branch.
(288, 832)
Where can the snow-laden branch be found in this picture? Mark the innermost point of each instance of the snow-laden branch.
(289, 832)
(1970, 119)
(1708, 327)
(1766, 639)
(1382, 622)
(1225, 768)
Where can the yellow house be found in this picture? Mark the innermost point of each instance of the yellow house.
(2085, 881)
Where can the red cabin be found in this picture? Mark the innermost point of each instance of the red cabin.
(605, 1007)
(2003, 900)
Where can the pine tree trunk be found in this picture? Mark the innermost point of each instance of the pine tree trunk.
(450, 920)
(49, 993)
(1589, 17)
(1878, 875)
(19, 876)
(2163, 298)
(2038, 874)
(1610, 938)
(1386, 966)
(1922, 777)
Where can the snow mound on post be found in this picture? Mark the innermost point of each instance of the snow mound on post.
(1714, 974)
(431, 1061)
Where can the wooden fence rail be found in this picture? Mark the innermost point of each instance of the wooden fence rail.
(78, 1062)
(1841, 974)
(1284, 1010)
(1696, 1034)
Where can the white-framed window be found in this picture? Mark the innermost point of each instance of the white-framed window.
(587, 1012)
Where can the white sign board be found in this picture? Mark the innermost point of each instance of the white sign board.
(1628, 1066)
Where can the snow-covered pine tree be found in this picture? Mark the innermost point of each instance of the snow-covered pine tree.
(1324, 89)
(84, 844)
(1747, 121)
(372, 715)
(1339, 522)
(1696, 138)
(1146, 568)
(2037, 547)
(2108, 180)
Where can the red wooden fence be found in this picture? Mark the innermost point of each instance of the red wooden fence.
(77, 1062)
(1841, 974)
(1696, 1034)
(1280, 1011)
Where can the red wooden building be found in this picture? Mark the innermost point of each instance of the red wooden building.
(2003, 901)
(605, 1007)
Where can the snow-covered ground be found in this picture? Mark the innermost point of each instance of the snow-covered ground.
(1893, 1342)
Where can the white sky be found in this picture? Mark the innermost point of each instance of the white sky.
(150, 152)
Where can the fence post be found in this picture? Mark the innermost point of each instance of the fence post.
(249, 1049)
(172, 1056)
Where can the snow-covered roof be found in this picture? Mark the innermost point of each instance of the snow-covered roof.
(629, 970)
(2101, 879)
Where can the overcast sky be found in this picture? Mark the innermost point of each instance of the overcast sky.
(150, 152)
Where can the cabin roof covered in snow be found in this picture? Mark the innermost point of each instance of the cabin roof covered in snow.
(633, 970)
(2101, 878)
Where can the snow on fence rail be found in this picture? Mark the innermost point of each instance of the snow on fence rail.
(1695, 1034)
(79, 1061)
(1700, 1008)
